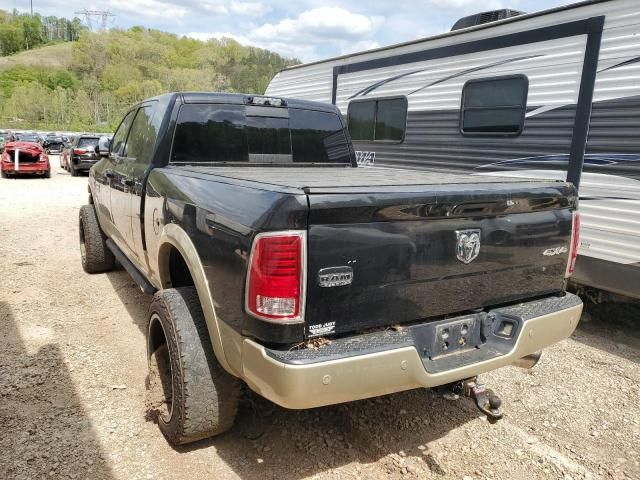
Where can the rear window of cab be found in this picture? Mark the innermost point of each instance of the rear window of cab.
(219, 133)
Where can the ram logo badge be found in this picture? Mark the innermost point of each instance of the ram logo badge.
(335, 276)
(550, 252)
(467, 245)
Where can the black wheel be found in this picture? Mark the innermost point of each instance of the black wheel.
(96, 256)
(47, 174)
(4, 174)
(72, 169)
(192, 396)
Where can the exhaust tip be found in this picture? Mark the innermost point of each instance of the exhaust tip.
(528, 361)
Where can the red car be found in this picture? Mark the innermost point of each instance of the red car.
(31, 160)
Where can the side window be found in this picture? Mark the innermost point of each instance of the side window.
(379, 120)
(120, 137)
(494, 106)
(361, 120)
(142, 136)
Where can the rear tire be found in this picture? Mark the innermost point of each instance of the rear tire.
(47, 174)
(95, 255)
(72, 169)
(197, 397)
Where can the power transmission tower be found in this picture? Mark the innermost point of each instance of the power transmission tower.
(101, 16)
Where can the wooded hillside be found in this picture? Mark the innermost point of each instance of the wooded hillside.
(113, 69)
(21, 31)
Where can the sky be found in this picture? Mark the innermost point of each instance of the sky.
(305, 29)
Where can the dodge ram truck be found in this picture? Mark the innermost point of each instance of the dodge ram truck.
(274, 260)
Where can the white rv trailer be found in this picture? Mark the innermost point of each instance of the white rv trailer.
(528, 93)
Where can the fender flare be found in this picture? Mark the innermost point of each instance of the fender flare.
(174, 236)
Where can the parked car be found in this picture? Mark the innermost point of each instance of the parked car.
(80, 155)
(29, 138)
(5, 137)
(31, 159)
(249, 220)
(64, 156)
(53, 144)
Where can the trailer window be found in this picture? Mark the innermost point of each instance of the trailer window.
(494, 106)
(362, 116)
(378, 120)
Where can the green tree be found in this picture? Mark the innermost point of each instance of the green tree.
(11, 38)
(32, 27)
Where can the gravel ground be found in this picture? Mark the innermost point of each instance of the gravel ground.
(72, 395)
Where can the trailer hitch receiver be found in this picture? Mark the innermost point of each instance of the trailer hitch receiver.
(485, 399)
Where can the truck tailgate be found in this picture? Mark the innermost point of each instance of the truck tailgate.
(413, 251)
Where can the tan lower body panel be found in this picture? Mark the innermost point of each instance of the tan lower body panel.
(371, 375)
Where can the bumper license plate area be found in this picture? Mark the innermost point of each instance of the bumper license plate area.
(458, 335)
(446, 337)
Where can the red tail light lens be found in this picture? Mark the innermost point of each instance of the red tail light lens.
(575, 244)
(275, 282)
(79, 151)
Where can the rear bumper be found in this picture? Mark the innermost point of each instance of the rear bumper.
(81, 164)
(357, 369)
(26, 168)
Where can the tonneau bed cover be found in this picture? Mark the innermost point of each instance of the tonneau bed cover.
(317, 179)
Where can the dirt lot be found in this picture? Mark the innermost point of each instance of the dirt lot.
(72, 395)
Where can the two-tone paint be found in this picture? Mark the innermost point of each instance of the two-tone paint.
(393, 230)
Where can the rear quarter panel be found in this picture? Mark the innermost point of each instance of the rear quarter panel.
(221, 219)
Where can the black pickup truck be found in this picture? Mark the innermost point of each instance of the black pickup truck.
(276, 261)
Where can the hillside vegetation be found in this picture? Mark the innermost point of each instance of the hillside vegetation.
(58, 55)
(89, 83)
(21, 31)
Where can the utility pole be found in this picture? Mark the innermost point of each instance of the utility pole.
(31, 1)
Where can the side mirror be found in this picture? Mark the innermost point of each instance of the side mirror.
(102, 148)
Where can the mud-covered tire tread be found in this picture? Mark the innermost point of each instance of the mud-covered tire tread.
(205, 396)
(98, 257)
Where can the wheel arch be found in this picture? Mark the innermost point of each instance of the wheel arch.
(173, 237)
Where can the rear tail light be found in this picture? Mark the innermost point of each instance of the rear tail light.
(79, 151)
(575, 244)
(276, 278)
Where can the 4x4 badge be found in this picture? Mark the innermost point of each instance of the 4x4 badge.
(467, 244)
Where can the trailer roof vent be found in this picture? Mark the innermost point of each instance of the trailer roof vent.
(485, 17)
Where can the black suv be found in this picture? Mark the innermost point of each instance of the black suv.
(81, 154)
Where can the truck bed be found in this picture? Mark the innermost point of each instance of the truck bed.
(357, 180)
